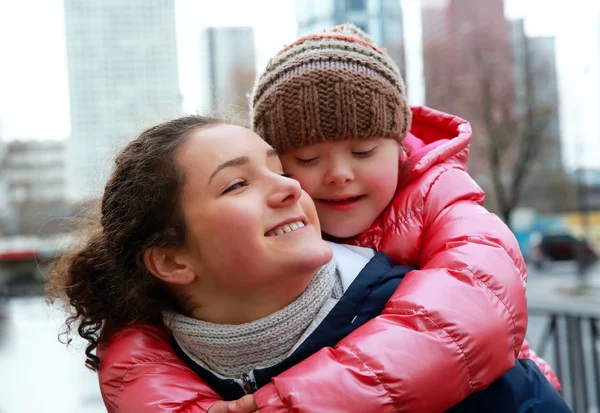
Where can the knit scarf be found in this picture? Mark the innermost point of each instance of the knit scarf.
(233, 350)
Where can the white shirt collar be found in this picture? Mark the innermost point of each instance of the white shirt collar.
(350, 260)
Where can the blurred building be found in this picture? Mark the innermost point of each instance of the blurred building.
(381, 19)
(482, 68)
(33, 187)
(578, 51)
(534, 69)
(228, 70)
(123, 77)
(457, 36)
(547, 188)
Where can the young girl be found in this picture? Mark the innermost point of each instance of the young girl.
(333, 105)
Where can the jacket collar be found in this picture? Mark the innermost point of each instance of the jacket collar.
(435, 137)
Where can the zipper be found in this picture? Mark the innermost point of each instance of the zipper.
(248, 383)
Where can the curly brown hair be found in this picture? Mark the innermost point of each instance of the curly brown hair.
(104, 280)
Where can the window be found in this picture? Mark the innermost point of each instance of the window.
(356, 5)
(362, 26)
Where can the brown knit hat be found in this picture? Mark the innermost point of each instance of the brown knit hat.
(333, 85)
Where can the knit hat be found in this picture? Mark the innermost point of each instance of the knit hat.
(333, 85)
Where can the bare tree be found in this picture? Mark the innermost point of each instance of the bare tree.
(501, 95)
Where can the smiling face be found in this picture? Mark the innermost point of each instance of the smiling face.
(351, 181)
(251, 231)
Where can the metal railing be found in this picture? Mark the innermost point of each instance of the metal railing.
(570, 342)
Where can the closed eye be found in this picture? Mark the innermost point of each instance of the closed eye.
(364, 154)
(233, 187)
(306, 162)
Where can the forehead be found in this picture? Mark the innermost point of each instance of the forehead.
(208, 148)
(341, 144)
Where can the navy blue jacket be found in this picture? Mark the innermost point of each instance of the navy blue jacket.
(523, 389)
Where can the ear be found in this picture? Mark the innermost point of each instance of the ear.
(169, 265)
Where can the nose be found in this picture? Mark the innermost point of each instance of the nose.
(339, 172)
(286, 191)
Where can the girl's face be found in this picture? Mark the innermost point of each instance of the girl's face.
(250, 230)
(351, 181)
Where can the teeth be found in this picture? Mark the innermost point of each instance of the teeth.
(284, 229)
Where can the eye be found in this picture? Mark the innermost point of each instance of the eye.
(364, 154)
(233, 187)
(307, 161)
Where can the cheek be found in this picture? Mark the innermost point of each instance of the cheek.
(229, 227)
(310, 210)
(242, 221)
(383, 180)
(309, 179)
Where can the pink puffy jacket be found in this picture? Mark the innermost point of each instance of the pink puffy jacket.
(436, 223)
(450, 329)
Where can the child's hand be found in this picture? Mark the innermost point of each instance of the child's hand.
(244, 405)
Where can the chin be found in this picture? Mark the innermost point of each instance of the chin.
(344, 231)
(341, 235)
(315, 254)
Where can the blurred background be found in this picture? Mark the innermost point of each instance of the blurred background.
(79, 79)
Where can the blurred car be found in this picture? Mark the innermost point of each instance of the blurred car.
(562, 246)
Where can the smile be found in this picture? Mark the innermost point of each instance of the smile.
(343, 200)
(286, 228)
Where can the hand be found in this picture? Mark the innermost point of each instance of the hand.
(244, 405)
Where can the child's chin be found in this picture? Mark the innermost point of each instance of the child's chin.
(338, 236)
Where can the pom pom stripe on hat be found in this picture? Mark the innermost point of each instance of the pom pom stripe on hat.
(333, 85)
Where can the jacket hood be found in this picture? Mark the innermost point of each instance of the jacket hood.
(436, 137)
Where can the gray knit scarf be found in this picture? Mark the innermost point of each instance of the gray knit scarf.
(233, 350)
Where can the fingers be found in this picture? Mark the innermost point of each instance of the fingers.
(219, 407)
(244, 405)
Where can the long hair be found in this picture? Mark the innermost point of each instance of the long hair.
(104, 279)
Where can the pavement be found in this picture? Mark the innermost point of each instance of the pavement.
(558, 287)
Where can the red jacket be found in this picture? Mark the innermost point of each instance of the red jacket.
(461, 319)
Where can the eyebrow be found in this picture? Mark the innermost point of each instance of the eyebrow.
(239, 161)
